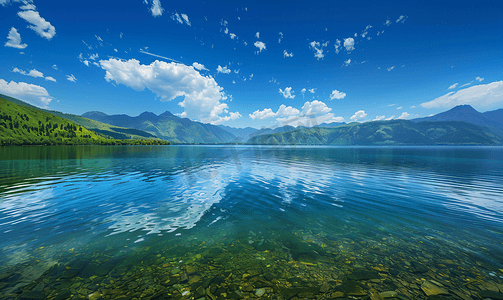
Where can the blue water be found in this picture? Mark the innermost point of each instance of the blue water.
(432, 204)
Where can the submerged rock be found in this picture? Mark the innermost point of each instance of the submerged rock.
(32, 295)
(431, 289)
(363, 275)
(491, 295)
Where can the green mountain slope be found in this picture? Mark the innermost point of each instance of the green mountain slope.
(111, 131)
(395, 132)
(168, 126)
(27, 125)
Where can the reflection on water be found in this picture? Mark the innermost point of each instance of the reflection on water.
(236, 221)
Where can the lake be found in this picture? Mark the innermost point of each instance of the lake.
(232, 222)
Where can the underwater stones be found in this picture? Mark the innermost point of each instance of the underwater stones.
(308, 292)
(431, 289)
(336, 295)
(268, 276)
(175, 270)
(289, 293)
(490, 294)
(389, 294)
(305, 258)
(194, 279)
(419, 267)
(247, 287)
(32, 295)
(363, 274)
(261, 284)
(351, 287)
(260, 292)
(68, 274)
(184, 278)
(324, 287)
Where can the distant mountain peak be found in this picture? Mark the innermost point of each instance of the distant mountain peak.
(166, 114)
(463, 107)
(147, 114)
(94, 113)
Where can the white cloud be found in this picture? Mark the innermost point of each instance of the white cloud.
(312, 91)
(390, 118)
(347, 62)
(94, 56)
(316, 107)
(201, 94)
(335, 119)
(404, 116)
(453, 86)
(28, 6)
(32, 73)
(303, 90)
(479, 78)
(366, 31)
(483, 95)
(232, 35)
(466, 84)
(50, 78)
(177, 18)
(260, 46)
(402, 19)
(39, 24)
(14, 40)
(156, 9)
(186, 19)
(337, 45)
(224, 70)
(54, 67)
(286, 111)
(391, 68)
(199, 66)
(31, 93)
(413, 106)
(283, 111)
(286, 54)
(98, 38)
(358, 116)
(399, 107)
(287, 93)
(262, 114)
(71, 78)
(387, 23)
(349, 43)
(318, 49)
(257, 35)
(280, 37)
(337, 95)
(313, 113)
(379, 118)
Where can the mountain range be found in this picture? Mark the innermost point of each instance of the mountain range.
(393, 132)
(24, 124)
(461, 125)
(466, 113)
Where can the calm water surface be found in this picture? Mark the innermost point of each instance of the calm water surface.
(220, 222)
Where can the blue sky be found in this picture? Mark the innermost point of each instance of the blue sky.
(254, 63)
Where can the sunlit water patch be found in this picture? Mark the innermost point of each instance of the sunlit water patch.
(243, 222)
